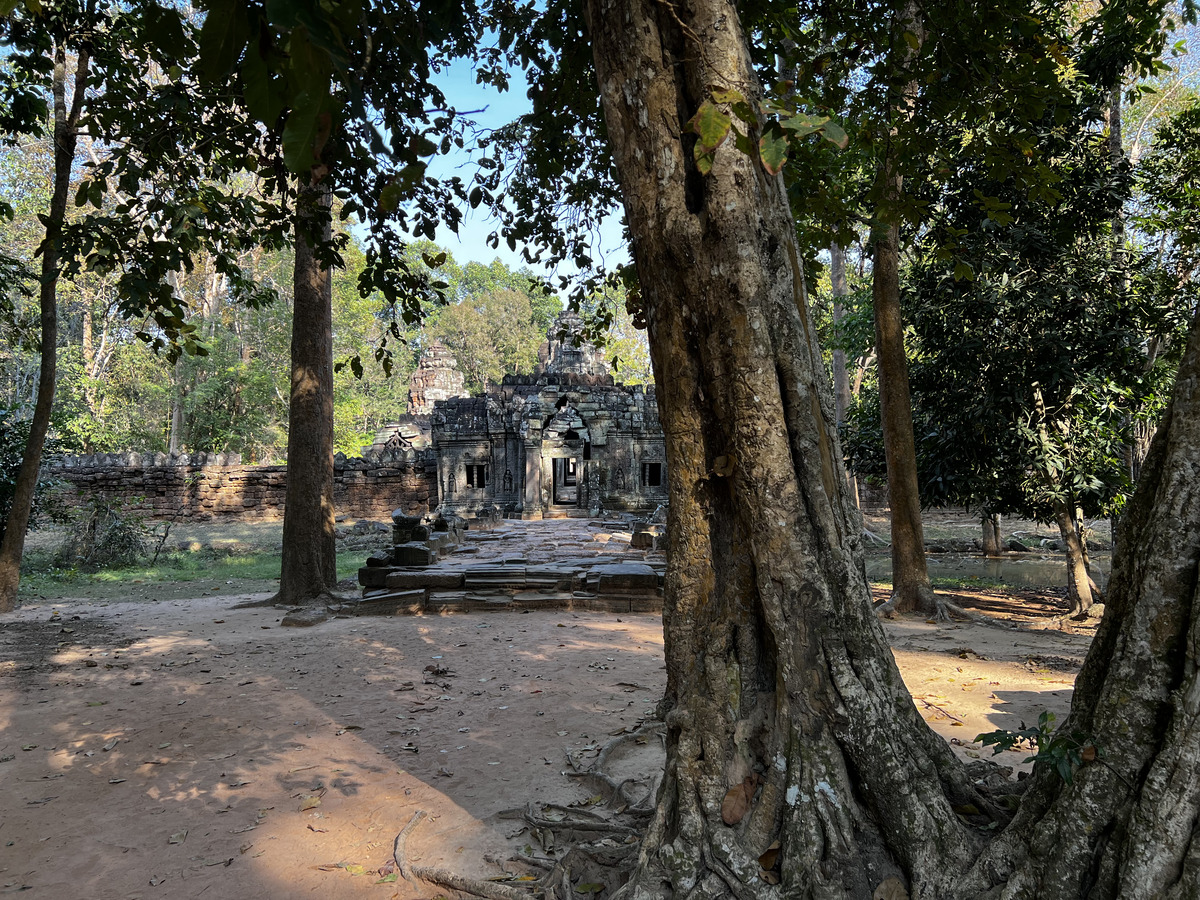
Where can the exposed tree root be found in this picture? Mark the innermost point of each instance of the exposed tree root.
(947, 613)
(617, 797)
(315, 610)
(444, 878)
(599, 849)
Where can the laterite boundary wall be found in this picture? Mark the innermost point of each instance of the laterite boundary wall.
(182, 489)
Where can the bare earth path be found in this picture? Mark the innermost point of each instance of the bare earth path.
(185, 749)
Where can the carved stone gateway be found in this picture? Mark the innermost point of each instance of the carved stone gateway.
(565, 441)
(553, 444)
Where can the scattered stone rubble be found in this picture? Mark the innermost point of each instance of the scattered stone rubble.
(436, 564)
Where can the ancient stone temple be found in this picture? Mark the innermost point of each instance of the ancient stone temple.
(564, 441)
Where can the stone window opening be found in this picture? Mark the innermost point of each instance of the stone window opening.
(652, 474)
(476, 475)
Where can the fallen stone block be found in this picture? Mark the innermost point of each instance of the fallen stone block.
(373, 576)
(413, 554)
(424, 578)
(624, 578)
(391, 603)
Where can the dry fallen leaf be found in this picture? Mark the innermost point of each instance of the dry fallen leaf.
(737, 800)
(310, 802)
(178, 837)
(891, 888)
(770, 856)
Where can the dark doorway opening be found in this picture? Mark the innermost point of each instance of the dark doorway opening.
(566, 481)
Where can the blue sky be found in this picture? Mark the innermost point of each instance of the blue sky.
(493, 110)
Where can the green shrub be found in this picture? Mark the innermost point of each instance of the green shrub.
(104, 536)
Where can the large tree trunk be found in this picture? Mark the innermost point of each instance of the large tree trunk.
(779, 676)
(66, 134)
(309, 568)
(777, 666)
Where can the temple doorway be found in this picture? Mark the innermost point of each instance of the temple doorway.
(566, 481)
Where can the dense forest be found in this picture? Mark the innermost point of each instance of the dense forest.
(117, 392)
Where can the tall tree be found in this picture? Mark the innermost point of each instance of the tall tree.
(61, 39)
(348, 97)
(781, 689)
(309, 566)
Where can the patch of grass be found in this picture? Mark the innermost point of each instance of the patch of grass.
(176, 575)
(972, 582)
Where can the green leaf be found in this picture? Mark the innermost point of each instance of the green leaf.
(711, 125)
(589, 887)
(728, 97)
(264, 97)
(422, 146)
(773, 150)
(801, 125)
(7, 6)
(912, 40)
(835, 135)
(224, 35)
(389, 879)
(167, 30)
(306, 130)
(704, 159)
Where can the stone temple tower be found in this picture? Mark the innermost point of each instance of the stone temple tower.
(436, 378)
(569, 354)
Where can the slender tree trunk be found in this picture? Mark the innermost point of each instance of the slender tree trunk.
(309, 568)
(1080, 586)
(842, 394)
(991, 534)
(1079, 582)
(175, 433)
(66, 133)
(910, 574)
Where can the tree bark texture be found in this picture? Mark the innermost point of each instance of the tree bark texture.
(780, 679)
(777, 666)
(66, 135)
(309, 568)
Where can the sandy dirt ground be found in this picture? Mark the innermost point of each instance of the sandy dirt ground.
(184, 748)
